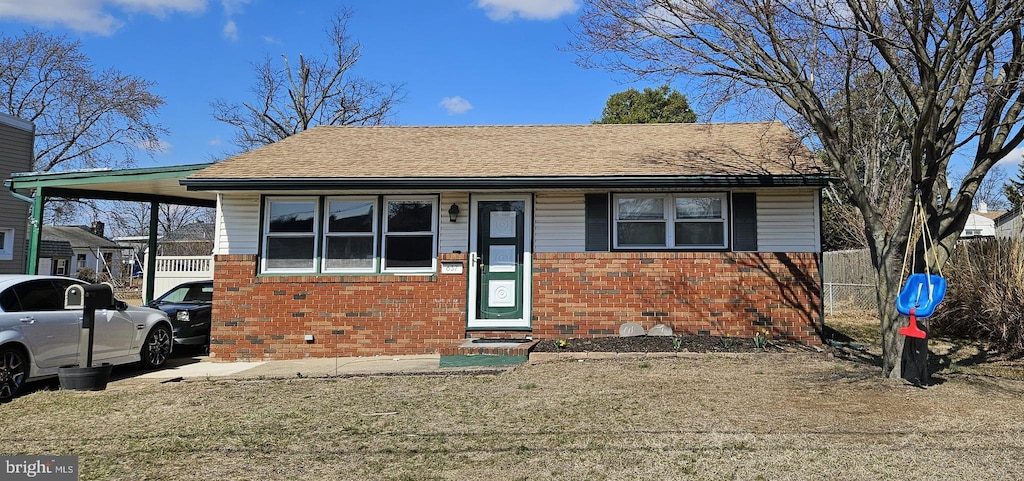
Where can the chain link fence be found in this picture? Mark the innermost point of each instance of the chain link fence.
(848, 283)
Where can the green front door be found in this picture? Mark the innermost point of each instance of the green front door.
(499, 294)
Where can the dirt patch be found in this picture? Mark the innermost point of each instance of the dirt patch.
(678, 343)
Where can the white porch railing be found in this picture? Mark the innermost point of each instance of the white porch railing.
(173, 270)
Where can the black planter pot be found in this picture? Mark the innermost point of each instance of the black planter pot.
(77, 378)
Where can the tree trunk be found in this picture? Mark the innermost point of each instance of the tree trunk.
(888, 286)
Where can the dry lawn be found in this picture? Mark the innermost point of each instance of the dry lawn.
(713, 416)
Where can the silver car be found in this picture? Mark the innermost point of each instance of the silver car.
(38, 336)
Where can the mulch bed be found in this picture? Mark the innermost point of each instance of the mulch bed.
(678, 343)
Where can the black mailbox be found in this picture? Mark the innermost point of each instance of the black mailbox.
(98, 296)
(89, 296)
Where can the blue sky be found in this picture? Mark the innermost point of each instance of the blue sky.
(461, 61)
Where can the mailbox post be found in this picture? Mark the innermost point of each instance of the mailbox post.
(88, 298)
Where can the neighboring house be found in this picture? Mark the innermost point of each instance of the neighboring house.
(193, 239)
(55, 257)
(17, 138)
(1008, 225)
(184, 254)
(981, 222)
(91, 250)
(349, 241)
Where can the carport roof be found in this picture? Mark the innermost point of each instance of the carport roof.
(150, 184)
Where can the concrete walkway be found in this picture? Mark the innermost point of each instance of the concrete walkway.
(202, 368)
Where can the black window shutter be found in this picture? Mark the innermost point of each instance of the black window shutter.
(744, 221)
(597, 222)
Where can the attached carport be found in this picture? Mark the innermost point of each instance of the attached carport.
(155, 185)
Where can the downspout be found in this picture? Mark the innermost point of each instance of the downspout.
(35, 226)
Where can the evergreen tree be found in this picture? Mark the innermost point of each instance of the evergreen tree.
(652, 106)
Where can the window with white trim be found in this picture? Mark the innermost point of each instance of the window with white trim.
(671, 221)
(6, 244)
(290, 227)
(410, 227)
(349, 227)
(349, 234)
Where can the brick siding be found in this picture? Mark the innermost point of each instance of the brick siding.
(574, 295)
(716, 293)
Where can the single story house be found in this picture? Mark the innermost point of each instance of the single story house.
(91, 250)
(352, 241)
(981, 222)
(192, 239)
(55, 257)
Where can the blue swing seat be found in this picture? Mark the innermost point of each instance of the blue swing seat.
(922, 293)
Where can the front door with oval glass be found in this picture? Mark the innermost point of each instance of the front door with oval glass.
(499, 274)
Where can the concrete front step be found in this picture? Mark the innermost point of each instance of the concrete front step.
(486, 352)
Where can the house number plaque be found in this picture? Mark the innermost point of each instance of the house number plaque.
(451, 267)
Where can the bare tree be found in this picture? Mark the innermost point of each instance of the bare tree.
(126, 218)
(957, 72)
(84, 118)
(991, 190)
(324, 91)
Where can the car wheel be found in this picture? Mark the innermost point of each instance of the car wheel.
(157, 347)
(13, 370)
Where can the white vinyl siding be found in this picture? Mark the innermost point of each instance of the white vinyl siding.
(453, 236)
(560, 222)
(787, 221)
(238, 224)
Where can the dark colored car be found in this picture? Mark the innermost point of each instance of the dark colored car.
(188, 306)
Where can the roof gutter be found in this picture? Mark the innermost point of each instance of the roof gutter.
(496, 183)
(15, 194)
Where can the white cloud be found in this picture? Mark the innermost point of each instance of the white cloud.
(1012, 160)
(232, 7)
(96, 16)
(504, 10)
(231, 31)
(456, 105)
(215, 141)
(155, 146)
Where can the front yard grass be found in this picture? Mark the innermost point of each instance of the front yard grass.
(713, 416)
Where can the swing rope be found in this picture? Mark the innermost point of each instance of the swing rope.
(918, 223)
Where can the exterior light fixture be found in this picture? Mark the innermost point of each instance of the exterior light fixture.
(453, 212)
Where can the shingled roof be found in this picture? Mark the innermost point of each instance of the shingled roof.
(352, 156)
(78, 236)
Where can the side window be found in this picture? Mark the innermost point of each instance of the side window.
(349, 229)
(671, 221)
(409, 231)
(9, 300)
(6, 244)
(290, 227)
(40, 295)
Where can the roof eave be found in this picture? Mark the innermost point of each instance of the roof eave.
(495, 183)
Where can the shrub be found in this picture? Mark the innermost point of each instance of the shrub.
(985, 295)
(86, 274)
